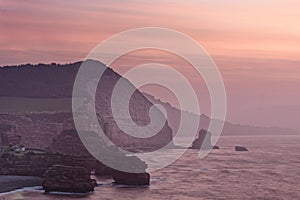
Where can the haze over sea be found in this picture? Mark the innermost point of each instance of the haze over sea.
(269, 170)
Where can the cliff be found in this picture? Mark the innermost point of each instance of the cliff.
(35, 162)
(47, 88)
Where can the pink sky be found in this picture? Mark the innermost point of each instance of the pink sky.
(256, 44)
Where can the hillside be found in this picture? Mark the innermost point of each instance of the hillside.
(36, 104)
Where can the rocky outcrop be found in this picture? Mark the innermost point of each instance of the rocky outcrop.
(202, 141)
(69, 143)
(240, 148)
(34, 162)
(61, 178)
(34, 130)
(137, 179)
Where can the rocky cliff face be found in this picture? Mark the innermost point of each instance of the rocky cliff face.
(8, 134)
(37, 129)
(68, 143)
(33, 130)
(34, 162)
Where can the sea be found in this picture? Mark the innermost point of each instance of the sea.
(269, 170)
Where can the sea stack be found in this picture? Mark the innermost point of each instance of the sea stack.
(135, 179)
(203, 141)
(60, 178)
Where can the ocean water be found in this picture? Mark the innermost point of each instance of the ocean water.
(269, 170)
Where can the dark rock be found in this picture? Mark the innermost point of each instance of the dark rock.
(240, 148)
(136, 179)
(202, 141)
(216, 147)
(60, 178)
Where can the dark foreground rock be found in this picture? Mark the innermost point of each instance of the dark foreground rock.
(60, 178)
(9, 183)
(240, 148)
(136, 179)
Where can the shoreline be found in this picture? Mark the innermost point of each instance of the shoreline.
(10, 183)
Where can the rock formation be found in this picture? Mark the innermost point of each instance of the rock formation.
(34, 162)
(240, 148)
(34, 130)
(60, 178)
(203, 140)
(137, 179)
(69, 143)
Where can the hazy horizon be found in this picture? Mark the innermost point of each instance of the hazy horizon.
(255, 44)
